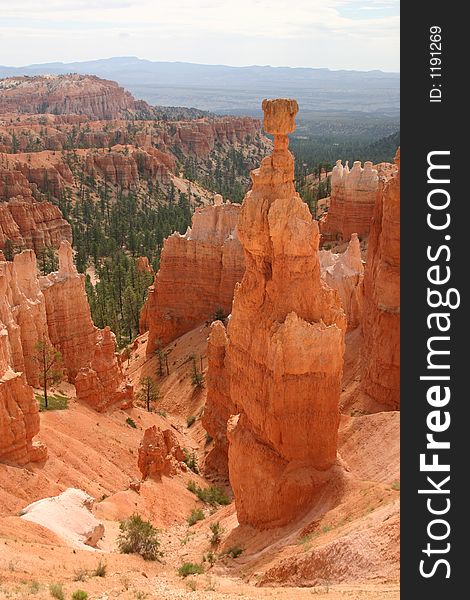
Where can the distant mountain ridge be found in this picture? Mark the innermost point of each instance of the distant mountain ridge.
(222, 88)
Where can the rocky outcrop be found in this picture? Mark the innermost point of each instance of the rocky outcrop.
(13, 183)
(114, 167)
(19, 419)
(50, 179)
(159, 453)
(199, 138)
(345, 273)
(101, 384)
(66, 94)
(71, 329)
(352, 201)
(284, 351)
(381, 321)
(69, 516)
(30, 224)
(23, 320)
(124, 168)
(197, 276)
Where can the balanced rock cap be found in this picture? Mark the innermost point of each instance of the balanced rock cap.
(279, 115)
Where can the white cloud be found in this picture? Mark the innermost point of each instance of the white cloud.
(197, 31)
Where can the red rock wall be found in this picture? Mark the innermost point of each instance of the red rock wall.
(381, 321)
(125, 170)
(345, 273)
(352, 201)
(31, 224)
(197, 275)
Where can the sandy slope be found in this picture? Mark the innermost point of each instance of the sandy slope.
(346, 547)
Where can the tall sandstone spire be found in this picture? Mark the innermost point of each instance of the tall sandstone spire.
(282, 360)
(381, 315)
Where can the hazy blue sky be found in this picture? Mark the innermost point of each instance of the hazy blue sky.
(338, 34)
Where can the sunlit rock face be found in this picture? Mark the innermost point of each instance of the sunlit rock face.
(282, 359)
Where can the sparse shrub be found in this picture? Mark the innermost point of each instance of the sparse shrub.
(195, 516)
(191, 461)
(219, 314)
(396, 486)
(209, 438)
(190, 568)
(79, 595)
(34, 587)
(217, 531)
(234, 551)
(212, 495)
(57, 591)
(131, 423)
(79, 575)
(100, 570)
(190, 421)
(211, 558)
(138, 537)
(192, 486)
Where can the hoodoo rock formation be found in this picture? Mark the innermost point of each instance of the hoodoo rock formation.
(352, 201)
(159, 453)
(218, 407)
(55, 309)
(19, 420)
(22, 314)
(22, 325)
(197, 276)
(285, 343)
(381, 321)
(345, 273)
(102, 385)
(89, 354)
(71, 329)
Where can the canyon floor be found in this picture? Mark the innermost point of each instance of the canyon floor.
(345, 547)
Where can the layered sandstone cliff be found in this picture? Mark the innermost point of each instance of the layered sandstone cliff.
(197, 275)
(66, 94)
(352, 201)
(199, 138)
(345, 273)
(124, 168)
(381, 321)
(284, 351)
(30, 224)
